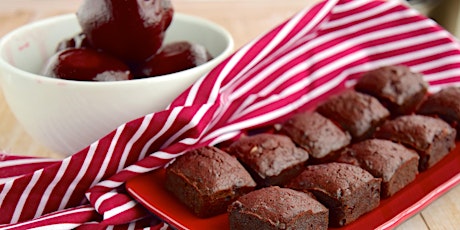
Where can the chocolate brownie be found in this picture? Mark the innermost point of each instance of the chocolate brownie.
(432, 138)
(394, 163)
(271, 159)
(444, 104)
(207, 180)
(398, 88)
(277, 208)
(348, 191)
(316, 134)
(357, 113)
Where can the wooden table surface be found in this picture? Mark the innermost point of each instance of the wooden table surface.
(245, 19)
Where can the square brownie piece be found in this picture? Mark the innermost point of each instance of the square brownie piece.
(348, 191)
(277, 208)
(207, 180)
(355, 112)
(398, 88)
(445, 104)
(432, 138)
(316, 134)
(271, 159)
(394, 163)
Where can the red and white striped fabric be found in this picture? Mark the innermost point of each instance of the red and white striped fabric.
(317, 52)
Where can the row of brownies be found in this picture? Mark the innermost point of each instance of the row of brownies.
(327, 167)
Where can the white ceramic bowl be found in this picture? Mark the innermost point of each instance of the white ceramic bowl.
(66, 116)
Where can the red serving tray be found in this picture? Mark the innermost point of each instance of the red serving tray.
(149, 190)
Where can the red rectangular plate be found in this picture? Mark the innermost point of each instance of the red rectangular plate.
(149, 190)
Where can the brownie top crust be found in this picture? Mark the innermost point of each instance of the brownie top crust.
(380, 157)
(212, 170)
(268, 154)
(335, 179)
(355, 112)
(445, 103)
(315, 133)
(275, 203)
(417, 131)
(395, 84)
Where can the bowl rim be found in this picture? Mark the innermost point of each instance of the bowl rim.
(43, 79)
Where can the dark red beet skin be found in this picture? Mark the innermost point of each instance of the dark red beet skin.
(83, 64)
(173, 57)
(120, 37)
(131, 30)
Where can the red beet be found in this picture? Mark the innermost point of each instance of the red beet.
(131, 30)
(83, 64)
(173, 58)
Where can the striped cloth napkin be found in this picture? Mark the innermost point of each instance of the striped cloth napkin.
(317, 52)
